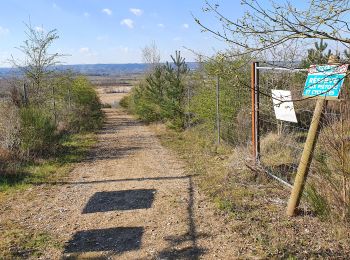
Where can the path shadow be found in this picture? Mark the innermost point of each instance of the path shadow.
(120, 200)
(111, 153)
(119, 239)
(115, 122)
(193, 251)
(111, 181)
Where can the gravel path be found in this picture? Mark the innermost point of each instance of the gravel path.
(130, 199)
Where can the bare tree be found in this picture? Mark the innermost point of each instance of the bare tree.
(151, 55)
(264, 27)
(38, 62)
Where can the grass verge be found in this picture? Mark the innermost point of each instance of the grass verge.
(17, 241)
(72, 149)
(255, 204)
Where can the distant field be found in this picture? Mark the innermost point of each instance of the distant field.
(112, 89)
(109, 85)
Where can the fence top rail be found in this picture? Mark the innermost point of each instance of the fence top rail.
(280, 68)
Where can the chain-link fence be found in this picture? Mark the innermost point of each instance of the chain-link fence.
(220, 105)
(225, 104)
(278, 145)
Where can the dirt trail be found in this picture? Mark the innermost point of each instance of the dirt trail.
(130, 199)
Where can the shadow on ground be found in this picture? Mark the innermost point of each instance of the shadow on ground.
(118, 240)
(120, 200)
(192, 251)
(111, 153)
(122, 239)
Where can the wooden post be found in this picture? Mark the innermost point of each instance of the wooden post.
(306, 156)
(218, 109)
(188, 104)
(54, 104)
(306, 159)
(343, 163)
(25, 94)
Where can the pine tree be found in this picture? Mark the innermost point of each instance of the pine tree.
(347, 55)
(317, 55)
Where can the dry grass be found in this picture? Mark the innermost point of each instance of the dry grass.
(256, 204)
(331, 171)
(9, 125)
(279, 150)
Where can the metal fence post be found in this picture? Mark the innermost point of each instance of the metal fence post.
(255, 111)
(218, 109)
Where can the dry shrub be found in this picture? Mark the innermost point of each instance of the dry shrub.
(280, 150)
(331, 170)
(243, 125)
(9, 126)
(241, 157)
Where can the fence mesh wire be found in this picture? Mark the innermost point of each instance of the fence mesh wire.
(234, 107)
(282, 142)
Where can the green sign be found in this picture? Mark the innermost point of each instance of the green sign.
(325, 81)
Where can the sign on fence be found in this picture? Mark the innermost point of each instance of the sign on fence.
(325, 81)
(283, 105)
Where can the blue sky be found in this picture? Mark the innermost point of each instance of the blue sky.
(106, 31)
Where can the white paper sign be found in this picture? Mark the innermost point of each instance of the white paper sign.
(284, 108)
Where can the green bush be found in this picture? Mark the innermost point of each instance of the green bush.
(125, 102)
(86, 113)
(37, 133)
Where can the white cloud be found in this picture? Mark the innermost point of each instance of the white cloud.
(4, 31)
(84, 50)
(136, 11)
(186, 26)
(39, 29)
(127, 22)
(86, 14)
(160, 25)
(107, 11)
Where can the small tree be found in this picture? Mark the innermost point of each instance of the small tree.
(265, 26)
(38, 62)
(175, 90)
(161, 95)
(151, 55)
